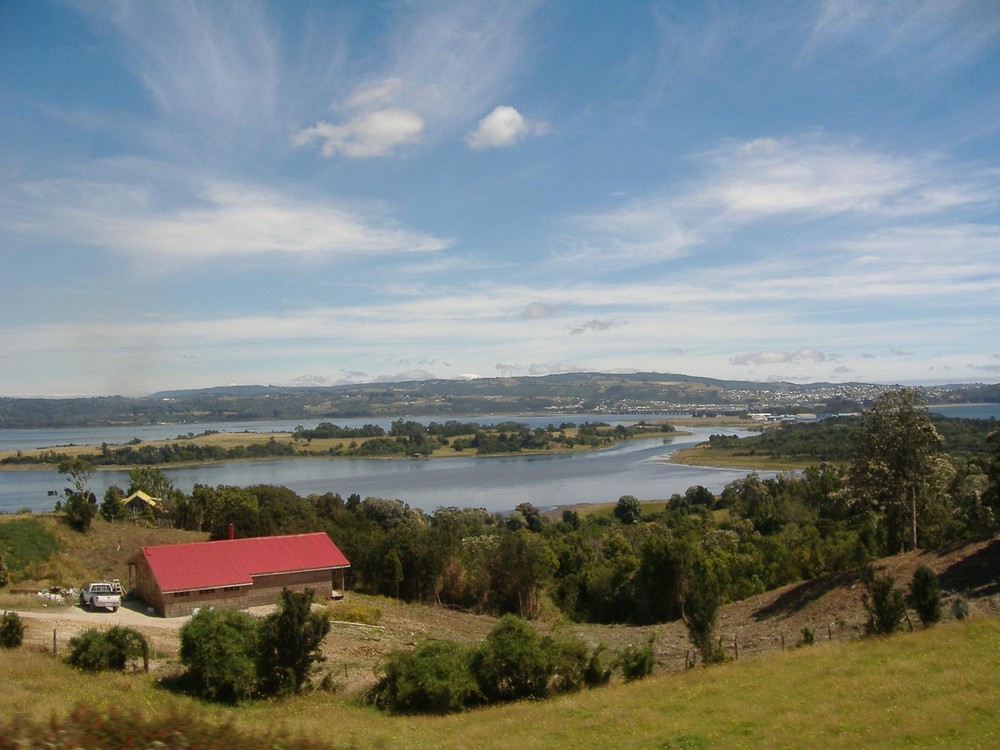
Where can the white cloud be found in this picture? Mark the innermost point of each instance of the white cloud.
(184, 218)
(370, 134)
(504, 126)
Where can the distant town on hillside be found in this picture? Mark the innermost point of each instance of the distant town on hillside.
(596, 393)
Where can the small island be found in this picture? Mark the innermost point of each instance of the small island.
(403, 439)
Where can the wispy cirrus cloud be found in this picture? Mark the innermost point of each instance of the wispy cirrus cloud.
(184, 217)
(744, 183)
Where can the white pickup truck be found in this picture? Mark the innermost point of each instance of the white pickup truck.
(102, 594)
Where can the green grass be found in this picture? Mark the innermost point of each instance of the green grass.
(936, 688)
(23, 542)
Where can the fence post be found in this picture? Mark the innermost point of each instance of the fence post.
(53, 640)
(782, 640)
(829, 630)
(736, 647)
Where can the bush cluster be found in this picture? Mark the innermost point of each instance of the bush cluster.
(231, 656)
(114, 649)
(11, 630)
(513, 663)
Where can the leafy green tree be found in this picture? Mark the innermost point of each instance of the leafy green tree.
(4, 573)
(112, 508)
(925, 593)
(520, 570)
(80, 505)
(11, 630)
(628, 510)
(289, 643)
(532, 516)
(883, 602)
(700, 606)
(219, 648)
(896, 471)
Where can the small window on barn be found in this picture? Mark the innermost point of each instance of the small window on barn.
(182, 593)
(208, 591)
(230, 588)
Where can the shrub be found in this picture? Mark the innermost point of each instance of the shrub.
(925, 593)
(434, 678)
(808, 637)
(90, 651)
(512, 663)
(4, 573)
(11, 630)
(219, 649)
(95, 651)
(636, 662)
(883, 602)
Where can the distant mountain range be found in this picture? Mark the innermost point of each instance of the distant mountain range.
(592, 392)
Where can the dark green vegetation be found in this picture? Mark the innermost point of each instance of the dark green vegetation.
(574, 392)
(513, 663)
(116, 648)
(231, 656)
(832, 440)
(11, 630)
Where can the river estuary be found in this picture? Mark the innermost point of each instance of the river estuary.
(638, 467)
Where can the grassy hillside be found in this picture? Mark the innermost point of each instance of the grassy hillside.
(936, 688)
(41, 551)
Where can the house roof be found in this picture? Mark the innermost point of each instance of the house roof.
(140, 495)
(234, 562)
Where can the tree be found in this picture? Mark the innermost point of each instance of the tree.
(895, 472)
(11, 630)
(701, 603)
(219, 649)
(628, 510)
(112, 508)
(4, 573)
(80, 506)
(883, 602)
(925, 593)
(289, 643)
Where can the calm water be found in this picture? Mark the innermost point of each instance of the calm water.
(636, 468)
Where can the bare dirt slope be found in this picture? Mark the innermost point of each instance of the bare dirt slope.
(830, 607)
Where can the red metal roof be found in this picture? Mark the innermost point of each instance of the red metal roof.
(233, 562)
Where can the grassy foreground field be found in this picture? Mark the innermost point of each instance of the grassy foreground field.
(936, 688)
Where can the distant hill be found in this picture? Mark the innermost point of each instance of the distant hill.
(590, 392)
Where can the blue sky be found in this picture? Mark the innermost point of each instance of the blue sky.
(195, 194)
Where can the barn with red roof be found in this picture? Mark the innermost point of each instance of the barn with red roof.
(177, 579)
